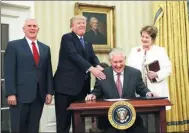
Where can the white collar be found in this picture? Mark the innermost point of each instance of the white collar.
(79, 36)
(115, 73)
(30, 41)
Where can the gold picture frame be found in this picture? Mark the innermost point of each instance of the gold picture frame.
(103, 39)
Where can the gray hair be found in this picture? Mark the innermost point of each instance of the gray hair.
(77, 17)
(27, 19)
(116, 51)
(93, 19)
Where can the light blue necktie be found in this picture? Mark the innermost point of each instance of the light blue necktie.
(82, 42)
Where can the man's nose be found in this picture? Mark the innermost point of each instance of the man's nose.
(82, 24)
(32, 27)
(118, 64)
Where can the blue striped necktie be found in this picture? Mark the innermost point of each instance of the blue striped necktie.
(82, 42)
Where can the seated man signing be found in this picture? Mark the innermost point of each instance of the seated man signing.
(122, 82)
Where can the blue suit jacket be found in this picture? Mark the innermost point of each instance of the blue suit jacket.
(21, 73)
(73, 63)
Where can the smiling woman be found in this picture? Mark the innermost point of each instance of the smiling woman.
(148, 52)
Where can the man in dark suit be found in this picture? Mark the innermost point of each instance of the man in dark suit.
(121, 82)
(28, 79)
(72, 77)
(94, 35)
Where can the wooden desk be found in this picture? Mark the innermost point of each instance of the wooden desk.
(83, 109)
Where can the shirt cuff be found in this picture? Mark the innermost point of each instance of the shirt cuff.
(88, 69)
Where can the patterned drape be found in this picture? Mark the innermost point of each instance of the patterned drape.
(171, 19)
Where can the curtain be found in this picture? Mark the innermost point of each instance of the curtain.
(171, 19)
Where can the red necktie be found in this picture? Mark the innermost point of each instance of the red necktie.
(35, 53)
(118, 84)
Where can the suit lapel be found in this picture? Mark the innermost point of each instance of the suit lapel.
(76, 39)
(86, 48)
(125, 81)
(27, 49)
(41, 52)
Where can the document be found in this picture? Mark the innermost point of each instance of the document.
(118, 99)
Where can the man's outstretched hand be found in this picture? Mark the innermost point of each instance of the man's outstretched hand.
(97, 72)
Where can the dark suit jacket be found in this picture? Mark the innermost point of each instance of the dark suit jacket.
(106, 89)
(73, 63)
(98, 38)
(132, 83)
(21, 73)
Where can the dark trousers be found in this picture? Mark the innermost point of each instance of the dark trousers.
(149, 120)
(137, 127)
(25, 117)
(62, 102)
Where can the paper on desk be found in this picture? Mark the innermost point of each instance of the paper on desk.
(118, 99)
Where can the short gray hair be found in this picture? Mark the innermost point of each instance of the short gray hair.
(116, 51)
(27, 19)
(77, 17)
(92, 19)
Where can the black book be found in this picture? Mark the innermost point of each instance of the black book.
(153, 66)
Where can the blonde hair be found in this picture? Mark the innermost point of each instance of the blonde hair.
(77, 17)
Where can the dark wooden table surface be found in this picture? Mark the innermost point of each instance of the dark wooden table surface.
(82, 109)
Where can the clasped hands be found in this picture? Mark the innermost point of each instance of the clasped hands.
(152, 75)
(97, 72)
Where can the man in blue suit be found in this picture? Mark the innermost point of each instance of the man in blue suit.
(28, 79)
(72, 78)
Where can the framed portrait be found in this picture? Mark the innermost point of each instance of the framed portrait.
(100, 30)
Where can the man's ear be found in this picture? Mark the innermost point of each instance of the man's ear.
(125, 57)
(23, 29)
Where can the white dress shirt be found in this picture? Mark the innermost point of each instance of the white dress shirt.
(79, 36)
(30, 44)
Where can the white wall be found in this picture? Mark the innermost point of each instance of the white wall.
(14, 13)
(22, 4)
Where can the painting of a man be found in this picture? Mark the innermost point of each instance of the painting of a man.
(93, 35)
